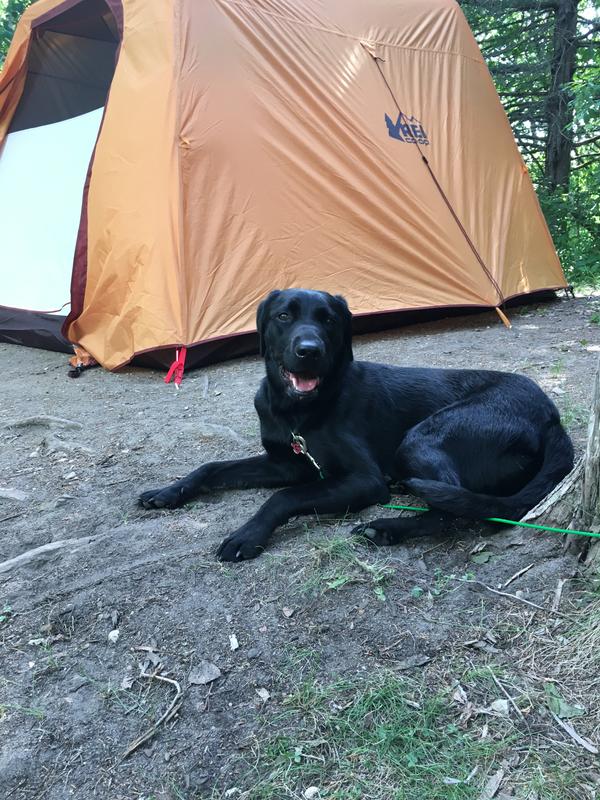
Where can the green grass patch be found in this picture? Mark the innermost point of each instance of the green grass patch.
(26, 710)
(340, 560)
(547, 776)
(377, 738)
(557, 369)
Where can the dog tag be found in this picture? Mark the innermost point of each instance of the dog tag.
(299, 445)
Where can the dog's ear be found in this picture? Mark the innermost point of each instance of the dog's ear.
(262, 317)
(341, 306)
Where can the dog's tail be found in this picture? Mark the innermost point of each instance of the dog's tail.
(557, 462)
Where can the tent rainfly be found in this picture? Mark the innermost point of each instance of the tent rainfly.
(166, 163)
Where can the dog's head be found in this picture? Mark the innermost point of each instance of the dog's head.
(306, 338)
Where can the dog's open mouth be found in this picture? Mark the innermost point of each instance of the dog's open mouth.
(301, 382)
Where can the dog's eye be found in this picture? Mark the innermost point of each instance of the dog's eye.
(283, 316)
(330, 321)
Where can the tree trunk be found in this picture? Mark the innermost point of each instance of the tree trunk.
(575, 502)
(589, 512)
(559, 112)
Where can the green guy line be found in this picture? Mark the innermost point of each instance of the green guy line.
(507, 522)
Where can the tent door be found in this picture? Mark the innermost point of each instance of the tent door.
(45, 159)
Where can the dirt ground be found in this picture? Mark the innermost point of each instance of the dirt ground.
(127, 593)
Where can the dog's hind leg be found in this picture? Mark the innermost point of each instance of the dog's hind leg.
(393, 530)
(417, 455)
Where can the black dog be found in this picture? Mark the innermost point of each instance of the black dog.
(472, 443)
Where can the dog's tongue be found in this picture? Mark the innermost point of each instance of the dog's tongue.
(303, 383)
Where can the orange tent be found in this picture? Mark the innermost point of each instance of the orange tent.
(178, 159)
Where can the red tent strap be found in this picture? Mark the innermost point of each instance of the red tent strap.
(177, 367)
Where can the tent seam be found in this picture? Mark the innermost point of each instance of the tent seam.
(262, 12)
(443, 194)
(182, 292)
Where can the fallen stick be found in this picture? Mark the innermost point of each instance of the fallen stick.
(36, 552)
(505, 693)
(515, 597)
(12, 516)
(490, 790)
(568, 728)
(515, 576)
(169, 714)
(44, 421)
(392, 645)
(558, 593)
(12, 494)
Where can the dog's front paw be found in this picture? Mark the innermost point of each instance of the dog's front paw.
(375, 532)
(169, 497)
(241, 545)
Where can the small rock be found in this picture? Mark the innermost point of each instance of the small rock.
(62, 500)
(233, 641)
(50, 505)
(413, 661)
(204, 673)
(287, 612)
(311, 793)
(254, 652)
(500, 706)
(127, 682)
(113, 636)
(263, 693)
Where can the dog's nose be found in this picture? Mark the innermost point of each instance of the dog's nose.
(308, 348)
